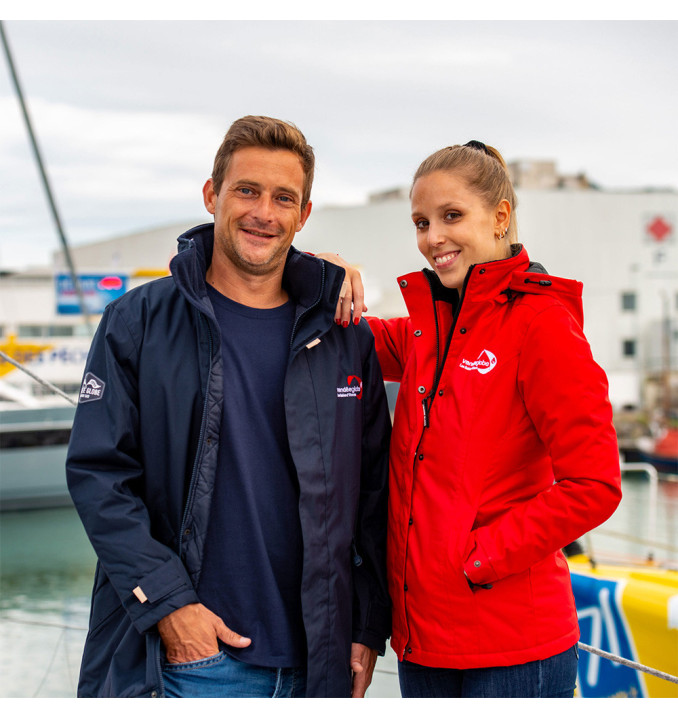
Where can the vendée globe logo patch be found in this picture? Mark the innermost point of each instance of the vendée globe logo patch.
(92, 388)
(483, 364)
(352, 390)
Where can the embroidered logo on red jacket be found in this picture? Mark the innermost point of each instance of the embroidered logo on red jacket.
(483, 364)
(352, 390)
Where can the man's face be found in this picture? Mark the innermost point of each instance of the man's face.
(258, 209)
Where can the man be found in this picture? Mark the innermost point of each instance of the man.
(229, 457)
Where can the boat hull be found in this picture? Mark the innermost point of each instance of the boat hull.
(630, 612)
(33, 446)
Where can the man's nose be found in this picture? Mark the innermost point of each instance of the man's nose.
(265, 209)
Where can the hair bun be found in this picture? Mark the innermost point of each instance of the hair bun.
(488, 150)
(477, 145)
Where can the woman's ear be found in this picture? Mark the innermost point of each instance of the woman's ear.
(502, 217)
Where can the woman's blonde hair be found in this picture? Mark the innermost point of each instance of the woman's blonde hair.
(484, 171)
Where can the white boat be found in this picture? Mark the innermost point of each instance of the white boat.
(35, 424)
(33, 444)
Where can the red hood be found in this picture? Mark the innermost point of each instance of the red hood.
(567, 291)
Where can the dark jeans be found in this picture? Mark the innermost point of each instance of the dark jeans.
(553, 677)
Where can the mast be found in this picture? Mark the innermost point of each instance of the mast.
(45, 180)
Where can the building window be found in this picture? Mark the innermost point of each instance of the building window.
(59, 330)
(628, 301)
(28, 331)
(629, 348)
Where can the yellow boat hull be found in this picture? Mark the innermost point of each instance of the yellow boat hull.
(631, 612)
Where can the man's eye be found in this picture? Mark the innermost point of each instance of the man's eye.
(245, 190)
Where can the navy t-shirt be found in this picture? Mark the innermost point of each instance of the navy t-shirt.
(251, 575)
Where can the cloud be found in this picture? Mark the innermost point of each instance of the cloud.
(129, 114)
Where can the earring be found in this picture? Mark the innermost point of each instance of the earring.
(502, 234)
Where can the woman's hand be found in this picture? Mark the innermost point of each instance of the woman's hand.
(352, 291)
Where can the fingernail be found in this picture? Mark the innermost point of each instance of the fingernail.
(338, 322)
(345, 324)
(356, 321)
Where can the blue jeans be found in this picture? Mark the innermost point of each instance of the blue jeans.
(221, 676)
(553, 677)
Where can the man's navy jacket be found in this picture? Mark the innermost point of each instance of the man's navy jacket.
(142, 458)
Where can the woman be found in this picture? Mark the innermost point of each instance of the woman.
(503, 449)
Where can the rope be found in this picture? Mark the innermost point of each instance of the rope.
(51, 663)
(629, 664)
(583, 646)
(45, 624)
(590, 649)
(44, 382)
(637, 539)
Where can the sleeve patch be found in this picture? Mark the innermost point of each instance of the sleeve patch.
(92, 388)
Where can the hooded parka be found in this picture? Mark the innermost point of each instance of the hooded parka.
(141, 469)
(503, 452)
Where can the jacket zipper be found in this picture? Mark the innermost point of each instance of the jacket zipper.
(427, 403)
(308, 309)
(424, 402)
(201, 439)
(159, 666)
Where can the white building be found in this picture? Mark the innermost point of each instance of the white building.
(622, 245)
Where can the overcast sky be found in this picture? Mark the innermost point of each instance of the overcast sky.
(129, 114)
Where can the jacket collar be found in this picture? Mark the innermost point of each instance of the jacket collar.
(312, 283)
(499, 280)
(490, 279)
(482, 281)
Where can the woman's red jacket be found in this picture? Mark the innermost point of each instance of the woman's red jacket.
(495, 467)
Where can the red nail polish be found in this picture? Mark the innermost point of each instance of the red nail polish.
(345, 324)
(356, 321)
(337, 322)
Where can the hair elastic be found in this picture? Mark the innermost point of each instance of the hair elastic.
(476, 145)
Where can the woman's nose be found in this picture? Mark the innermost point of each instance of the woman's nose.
(436, 235)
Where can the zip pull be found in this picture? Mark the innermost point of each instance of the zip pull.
(424, 406)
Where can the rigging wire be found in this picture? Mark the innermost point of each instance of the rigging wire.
(43, 174)
(44, 382)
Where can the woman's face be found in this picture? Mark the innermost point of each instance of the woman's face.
(455, 228)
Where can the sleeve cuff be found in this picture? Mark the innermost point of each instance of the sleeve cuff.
(160, 592)
(478, 567)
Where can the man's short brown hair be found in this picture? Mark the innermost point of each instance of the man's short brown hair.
(258, 131)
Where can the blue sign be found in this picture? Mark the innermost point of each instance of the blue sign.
(603, 626)
(97, 289)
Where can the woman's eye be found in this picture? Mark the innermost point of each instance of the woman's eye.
(420, 223)
(452, 215)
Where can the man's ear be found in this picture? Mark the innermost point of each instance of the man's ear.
(304, 215)
(209, 196)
